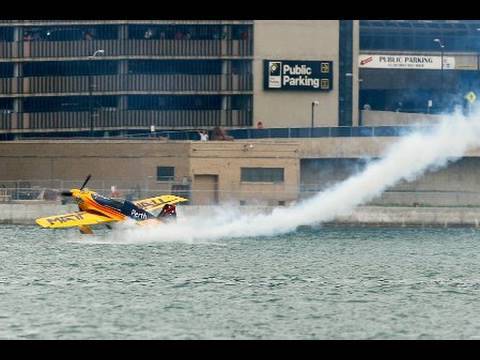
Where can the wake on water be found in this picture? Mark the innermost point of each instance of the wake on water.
(407, 159)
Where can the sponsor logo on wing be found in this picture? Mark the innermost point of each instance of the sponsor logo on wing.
(150, 203)
(65, 218)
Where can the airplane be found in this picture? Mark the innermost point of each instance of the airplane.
(97, 209)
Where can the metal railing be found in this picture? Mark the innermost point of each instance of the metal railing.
(111, 119)
(138, 124)
(148, 83)
(50, 189)
(18, 22)
(162, 48)
(8, 50)
(336, 131)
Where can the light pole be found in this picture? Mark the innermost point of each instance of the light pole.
(478, 56)
(358, 93)
(441, 59)
(90, 87)
(314, 103)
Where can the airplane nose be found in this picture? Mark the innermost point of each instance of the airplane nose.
(67, 193)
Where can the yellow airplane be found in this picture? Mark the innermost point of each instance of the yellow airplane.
(97, 209)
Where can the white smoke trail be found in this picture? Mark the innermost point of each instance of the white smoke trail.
(407, 159)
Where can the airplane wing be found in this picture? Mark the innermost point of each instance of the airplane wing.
(157, 202)
(73, 219)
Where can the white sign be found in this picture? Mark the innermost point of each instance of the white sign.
(298, 75)
(419, 62)
(275, 74)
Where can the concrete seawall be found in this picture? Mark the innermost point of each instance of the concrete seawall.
(27, 212)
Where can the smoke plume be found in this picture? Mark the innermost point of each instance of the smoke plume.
(407, 159)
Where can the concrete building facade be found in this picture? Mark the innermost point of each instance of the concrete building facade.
(302, 40)
(190, 74)
(262, 172)
(111, 75)
(418, 66)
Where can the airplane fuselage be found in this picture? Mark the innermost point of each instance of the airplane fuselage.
(118, 210)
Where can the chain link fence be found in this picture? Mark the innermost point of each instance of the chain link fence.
(264, 194)
(50, 190)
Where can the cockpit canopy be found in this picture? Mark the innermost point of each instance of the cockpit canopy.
(115, 204)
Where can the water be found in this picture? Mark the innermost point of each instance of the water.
(324, 283)
(237, 276)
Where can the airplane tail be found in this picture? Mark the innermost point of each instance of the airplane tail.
(169, 212)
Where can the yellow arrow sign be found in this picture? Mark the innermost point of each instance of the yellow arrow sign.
(471, 97)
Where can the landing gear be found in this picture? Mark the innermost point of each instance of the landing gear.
(85, 229)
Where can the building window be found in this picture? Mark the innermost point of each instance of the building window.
(165, 173)
(274, 175)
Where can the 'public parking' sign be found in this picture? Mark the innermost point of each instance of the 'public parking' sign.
(298, 75)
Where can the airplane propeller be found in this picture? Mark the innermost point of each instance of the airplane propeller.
(86, 181)
(69, 193)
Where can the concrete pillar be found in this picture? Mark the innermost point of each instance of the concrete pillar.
(123, 32)
(226, 30)
(225, 66)
(225, 102)
(226, 110)
(122, 103)
(17, 105)
(122, 67)
(18, 71)
(17, 118)
(226, 82)
(357, 82)
(226, 70)
(17, 78)
(18, 41)
(225, 44)
(17, 33)
(345, 73)
(123, 72)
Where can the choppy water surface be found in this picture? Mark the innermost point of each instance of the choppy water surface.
(328, 283)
